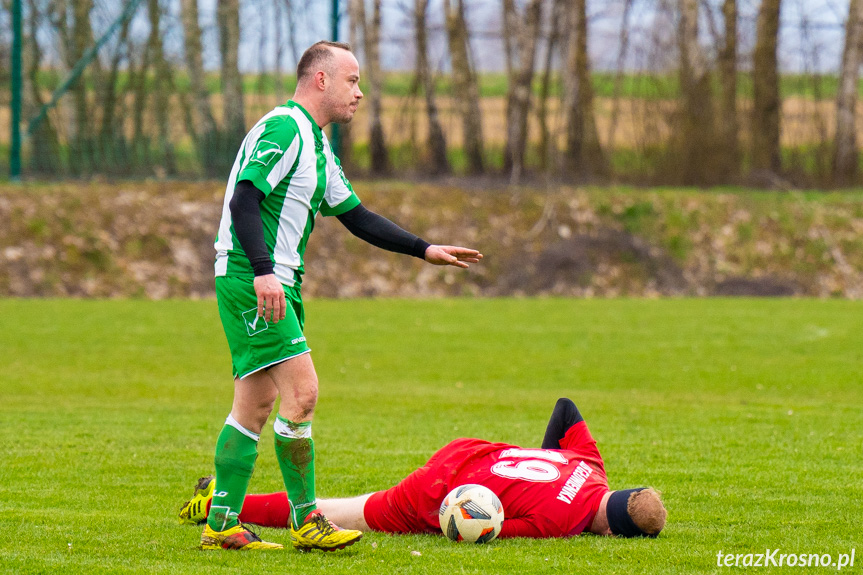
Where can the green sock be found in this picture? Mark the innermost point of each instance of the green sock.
(295, 451)
(236, 452)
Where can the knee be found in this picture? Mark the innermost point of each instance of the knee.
(263, 405)
(567, 410)
(306, 398)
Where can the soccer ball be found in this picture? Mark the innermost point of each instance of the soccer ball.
(471, 513)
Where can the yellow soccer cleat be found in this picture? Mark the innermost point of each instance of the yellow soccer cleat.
(320, 533)
(194, 511)
(237, 537)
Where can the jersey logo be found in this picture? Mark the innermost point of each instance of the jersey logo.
(344, 179)
(255, 324)
(265, 151)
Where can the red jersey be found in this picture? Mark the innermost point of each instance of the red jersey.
(544, 492)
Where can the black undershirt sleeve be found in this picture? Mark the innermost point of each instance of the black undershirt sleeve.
(564, 416)
(382, 233)
(245, 208)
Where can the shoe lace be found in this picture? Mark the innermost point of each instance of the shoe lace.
(324, 525)
(252, 535)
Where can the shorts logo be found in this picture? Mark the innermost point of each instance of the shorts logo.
(255, 324)
(297, 340)
(265, 151)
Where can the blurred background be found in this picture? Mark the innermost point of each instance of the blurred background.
(588, 148)
(702, 92)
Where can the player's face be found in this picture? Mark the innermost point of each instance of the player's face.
(343, 92)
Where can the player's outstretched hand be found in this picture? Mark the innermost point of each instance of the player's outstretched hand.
(271, 298)
(452, 256)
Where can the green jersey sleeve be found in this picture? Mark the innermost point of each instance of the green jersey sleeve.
(270, 152)
(339, 196)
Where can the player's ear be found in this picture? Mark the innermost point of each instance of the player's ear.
(321, 80)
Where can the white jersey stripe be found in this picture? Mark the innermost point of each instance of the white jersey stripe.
(285, 163)
(295, 211)
(293, 202)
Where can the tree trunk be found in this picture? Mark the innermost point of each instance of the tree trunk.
(694, 155)
(138, 87)
(292, 30)
(161, 91)
(234, 128)
(371, 47)
(521, 34)
(111, 140)
(45, 146)
(583, 154)
(346, 131)
(845, 149)
(205, 125)
(436, 139)
(465, 86)
(278, 80)
(557, 23)
(730, 152)
(765, 79)
(81, 152)
(618, 76)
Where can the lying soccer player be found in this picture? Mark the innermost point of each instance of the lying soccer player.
(560, 490)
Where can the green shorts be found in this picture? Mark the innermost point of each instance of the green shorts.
(256, 343)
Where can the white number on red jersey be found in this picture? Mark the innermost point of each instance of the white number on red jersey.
(537, 469)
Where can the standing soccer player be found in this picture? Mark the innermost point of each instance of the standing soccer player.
(284, 174)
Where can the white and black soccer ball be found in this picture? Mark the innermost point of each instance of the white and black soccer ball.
(471, 513)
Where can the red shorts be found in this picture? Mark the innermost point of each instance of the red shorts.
(413, 505)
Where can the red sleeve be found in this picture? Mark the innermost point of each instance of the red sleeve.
(578, 438)
(530, 526)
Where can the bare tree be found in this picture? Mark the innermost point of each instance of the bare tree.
(465, 84)
(557, 23)
(730, 157)
(111, 137)
(521, 34)
(346, 131)
(162, 88)
(765, 79)
(623, 46)
(371, 31)
(79, 36)
(292, 30)
(45, 146)
(139, 66)
(228, 14)
(436, 139)
(278, 80)
(845, 148)
(202, 114)
(694, 146)
(583, 154)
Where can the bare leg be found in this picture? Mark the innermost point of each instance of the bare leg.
(346, 513)
(294, 380)
(297, 383)
(254, 397)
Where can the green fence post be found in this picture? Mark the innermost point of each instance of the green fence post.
(15, 103)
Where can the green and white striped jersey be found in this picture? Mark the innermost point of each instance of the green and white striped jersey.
(288, 157)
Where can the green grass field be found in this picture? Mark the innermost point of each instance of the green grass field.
(647, 86)
(747, 414)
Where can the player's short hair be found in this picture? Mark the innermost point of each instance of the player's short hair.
(319, 55)
(647, 511)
